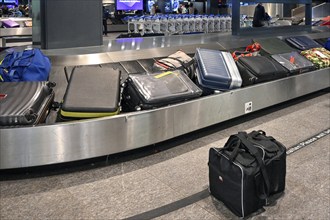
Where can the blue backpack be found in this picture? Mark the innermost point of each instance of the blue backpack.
(28, 65)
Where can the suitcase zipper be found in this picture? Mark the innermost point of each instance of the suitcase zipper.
(242, 179)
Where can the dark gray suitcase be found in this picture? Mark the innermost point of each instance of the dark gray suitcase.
(25, 103)
(260, 69)
(217, 70)
(93, 91)
(302, 42)
(274, 46)
(158, 89)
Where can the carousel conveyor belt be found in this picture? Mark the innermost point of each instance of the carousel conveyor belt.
(54, 143)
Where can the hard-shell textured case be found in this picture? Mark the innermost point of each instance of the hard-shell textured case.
(25, 103)
(93, 91)
(217, 70)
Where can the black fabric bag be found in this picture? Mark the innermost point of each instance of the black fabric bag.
(249, 169)
(259, 69)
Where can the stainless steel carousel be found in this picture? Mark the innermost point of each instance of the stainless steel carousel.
(58, 142)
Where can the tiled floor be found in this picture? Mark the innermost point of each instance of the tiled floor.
(170, 180)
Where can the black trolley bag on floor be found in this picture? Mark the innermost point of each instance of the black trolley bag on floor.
(92, 91)
(158, 89)
(246, 171)
(25, 103)
(260, 69)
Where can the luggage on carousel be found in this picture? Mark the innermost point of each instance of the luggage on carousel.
(294, 62)
(158, 89)
(247, 172)
(319, 56)
(260, 69)
(216, 70)
(25, 103)
(274, 46)
(28, 23)
(302, 42)
(9, 23)
(177, 60)
(92, 91)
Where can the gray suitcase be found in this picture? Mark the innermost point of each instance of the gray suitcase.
(217, 70)
(25, 103)
(93, 91)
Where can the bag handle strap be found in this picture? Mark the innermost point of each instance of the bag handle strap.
(242, 136)
(261, 135)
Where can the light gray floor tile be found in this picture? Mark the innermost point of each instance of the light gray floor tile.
(191, 212)
(58, 204)
(187, 174)
(123, 196)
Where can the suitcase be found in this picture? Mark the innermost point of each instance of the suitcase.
(177, 60)
(260, 69)
(294, 62)
(302, 42)
(93, 91)
(320, 57)
(157, 90)
(217, 70)
(25, 103)
(247, 172)
(9, 24)
(28, 23)
(274, 46)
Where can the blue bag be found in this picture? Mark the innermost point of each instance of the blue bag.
(28, 65)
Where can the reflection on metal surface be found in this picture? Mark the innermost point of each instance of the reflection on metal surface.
(125, 55)
(63, 142)
(15, 31)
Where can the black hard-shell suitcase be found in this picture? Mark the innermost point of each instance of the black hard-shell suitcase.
(302, 42)
(93, 91)
(217, 70)
(260, 69)
(25, 103)
(158, 89)
(274, 46)
(294, 62)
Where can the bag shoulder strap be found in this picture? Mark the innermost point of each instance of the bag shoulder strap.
(242, 136)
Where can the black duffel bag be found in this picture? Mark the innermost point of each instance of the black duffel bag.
(247, 171)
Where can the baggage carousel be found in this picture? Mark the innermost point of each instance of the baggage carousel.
(59, 142)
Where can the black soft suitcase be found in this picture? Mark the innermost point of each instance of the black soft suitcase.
(260, 69)
(158, 89)
(25, 103)
(302, 42)
(93, 91)
(247, 172)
